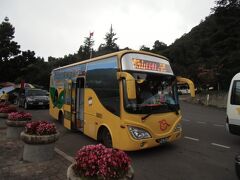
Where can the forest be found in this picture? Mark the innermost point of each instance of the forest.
(209, 54)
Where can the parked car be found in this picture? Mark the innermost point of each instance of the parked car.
(233, 106)
(31, 97)
(183, 89)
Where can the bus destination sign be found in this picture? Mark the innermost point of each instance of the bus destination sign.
(150, 65)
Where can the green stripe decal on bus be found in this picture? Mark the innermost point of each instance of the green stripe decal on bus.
(58, 100)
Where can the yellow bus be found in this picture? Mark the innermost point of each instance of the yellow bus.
(127, 100)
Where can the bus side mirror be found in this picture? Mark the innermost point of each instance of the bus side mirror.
(189, 82)
(130, 83)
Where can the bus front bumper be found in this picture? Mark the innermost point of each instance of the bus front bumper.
(135, 145)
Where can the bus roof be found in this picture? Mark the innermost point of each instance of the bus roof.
(119, 54)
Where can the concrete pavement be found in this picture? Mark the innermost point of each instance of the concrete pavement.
(12, 167)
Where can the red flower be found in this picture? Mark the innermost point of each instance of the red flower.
(7, 109)
(98, 161)
(2, 105)
(19, 116)
(40, 128)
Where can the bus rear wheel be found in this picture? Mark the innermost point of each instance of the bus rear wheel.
(60, 118)
(106, 138)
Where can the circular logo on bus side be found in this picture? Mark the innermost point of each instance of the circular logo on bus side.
(163, 125)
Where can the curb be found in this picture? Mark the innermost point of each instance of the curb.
(64, 155)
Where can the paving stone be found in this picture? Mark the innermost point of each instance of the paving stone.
(12, 167)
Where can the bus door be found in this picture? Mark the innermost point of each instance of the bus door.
(80, 103)
(67, 106)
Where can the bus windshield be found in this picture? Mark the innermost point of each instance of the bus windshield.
(155, 93)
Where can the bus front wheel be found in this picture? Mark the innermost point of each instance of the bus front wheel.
(106, 138)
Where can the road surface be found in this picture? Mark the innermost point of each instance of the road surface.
(205, 152)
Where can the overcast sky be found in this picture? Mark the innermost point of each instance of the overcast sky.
(58, 27)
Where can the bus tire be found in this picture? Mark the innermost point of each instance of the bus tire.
(60, 117)
(106, 138)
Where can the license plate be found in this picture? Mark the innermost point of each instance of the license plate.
(40, 103)
(163, 140)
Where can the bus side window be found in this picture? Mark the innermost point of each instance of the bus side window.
(235, 96)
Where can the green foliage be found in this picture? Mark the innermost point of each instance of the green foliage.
(109, 46)
(36, 73)
(209, 54)
(13, 62)
(145, 48)
(224, 5)
(159, 47)
(8, 47)
(85, 51)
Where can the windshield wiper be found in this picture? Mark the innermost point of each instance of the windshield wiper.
(170, 106)
(145, 117)
(149, 114)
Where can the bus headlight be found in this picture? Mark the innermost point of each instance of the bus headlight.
(178, 127)
(138, 133)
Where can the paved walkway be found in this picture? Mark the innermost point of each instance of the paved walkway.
(12, 167)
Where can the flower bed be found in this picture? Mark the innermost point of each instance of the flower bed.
(18, 119)
(19, 116)
(7, 109)
(40, 132)
(40, 128)
(3, 105)
(2, 115)
(99, 162)
(4, 110)
(16, 122)
(39, 138)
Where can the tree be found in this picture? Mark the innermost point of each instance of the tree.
(85, 51)
(145, 48)
(16, 65)
(110, 44)
(37, 73)
(158, 47)
(8, 47)
(222, 5)
(228, 3)
(209, 53)
(14, 68)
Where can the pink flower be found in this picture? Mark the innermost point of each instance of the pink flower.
(19, 116)
(99, 161)
(2, 105)
(7, 109)
(40, 128)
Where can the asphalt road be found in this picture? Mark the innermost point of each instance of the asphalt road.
(205, 152)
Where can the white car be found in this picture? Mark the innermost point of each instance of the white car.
(233, 106)
(183, 89)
